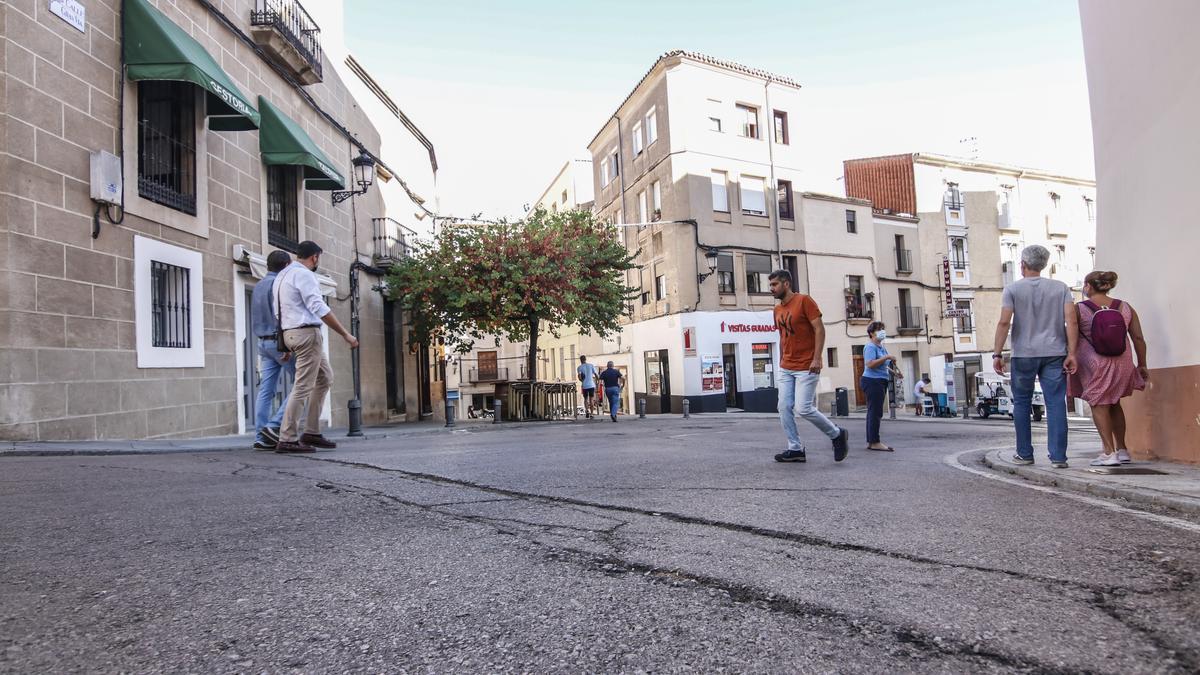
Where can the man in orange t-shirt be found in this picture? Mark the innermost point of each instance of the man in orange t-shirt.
(801, 343)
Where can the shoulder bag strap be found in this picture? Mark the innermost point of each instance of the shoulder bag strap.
(278, 303)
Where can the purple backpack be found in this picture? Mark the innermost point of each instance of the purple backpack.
(1110, 335)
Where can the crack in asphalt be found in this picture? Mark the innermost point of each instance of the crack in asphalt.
(1101, 597)
(927, 647)
(703, 488)
(794, 537)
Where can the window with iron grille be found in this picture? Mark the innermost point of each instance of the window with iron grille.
(725, 282)
(167, 144)
(283, 207)
(170, 305)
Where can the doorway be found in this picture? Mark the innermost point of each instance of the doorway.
(860, 397)
(729, 361)
(394, 351)
(658, 382)
(423, 385)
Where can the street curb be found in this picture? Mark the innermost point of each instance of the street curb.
(232, 444)
(1133, 495)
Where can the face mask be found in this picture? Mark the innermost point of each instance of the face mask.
(881, 334)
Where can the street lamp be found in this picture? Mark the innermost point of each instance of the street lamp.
(364, 175)
(711, 254)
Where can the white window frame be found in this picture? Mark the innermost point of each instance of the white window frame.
(636, 134)
(604, 181)
(146, 250)
(746, 195)
(656, 200)
(642, 219)
(720, 181)
(651, 126)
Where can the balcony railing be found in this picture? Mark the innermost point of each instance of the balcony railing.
(390, 241)
(292, 23)
(476, 375)
(855, 309)
(908, 320)
(904, 261)
(958, 264)
(964, 325)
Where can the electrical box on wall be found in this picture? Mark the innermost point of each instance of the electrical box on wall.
(106, 177)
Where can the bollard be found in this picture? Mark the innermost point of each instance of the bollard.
(642, 409)
(687, 408)
(496, 403)
(449, 414)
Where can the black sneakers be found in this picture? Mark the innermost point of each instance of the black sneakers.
(841, 445)
(271, 434)
(791, 456)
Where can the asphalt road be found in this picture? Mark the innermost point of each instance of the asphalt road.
(656, 545)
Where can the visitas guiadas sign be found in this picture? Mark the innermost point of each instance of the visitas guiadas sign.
(747, 328)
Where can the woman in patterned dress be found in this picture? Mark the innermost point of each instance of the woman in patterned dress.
(1102, 380)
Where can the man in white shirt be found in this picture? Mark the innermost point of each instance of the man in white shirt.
(919, 393)
(302, 310)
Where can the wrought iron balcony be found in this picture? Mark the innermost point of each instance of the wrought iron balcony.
(909, 320)
(390, 241)
(477, 375)
(284, 29)
(856, 310)
(904, 261)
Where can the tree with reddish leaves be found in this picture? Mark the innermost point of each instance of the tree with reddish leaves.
(511, 278)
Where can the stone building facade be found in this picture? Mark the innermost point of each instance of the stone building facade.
(141, 329)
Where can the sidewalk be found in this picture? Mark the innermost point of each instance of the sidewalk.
(1142, 483)
(236, 442)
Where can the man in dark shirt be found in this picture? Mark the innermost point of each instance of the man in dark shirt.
(271, 362)
(613, 381)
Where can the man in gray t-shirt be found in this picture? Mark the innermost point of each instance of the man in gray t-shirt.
(1045, 329)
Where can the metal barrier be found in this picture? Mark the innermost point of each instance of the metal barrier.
(541, 400)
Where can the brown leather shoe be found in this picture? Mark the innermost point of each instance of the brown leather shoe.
(317, 441)
(290, 447)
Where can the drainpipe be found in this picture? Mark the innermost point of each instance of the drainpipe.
(774, 186)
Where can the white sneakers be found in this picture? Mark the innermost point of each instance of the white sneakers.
(1123, 455)
(1106, 460)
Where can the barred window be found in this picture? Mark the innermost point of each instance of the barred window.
(170, 304)
(283, 220)
(167, 144)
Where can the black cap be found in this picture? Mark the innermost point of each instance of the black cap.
(307, 249)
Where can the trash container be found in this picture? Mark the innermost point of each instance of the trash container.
(842, 396)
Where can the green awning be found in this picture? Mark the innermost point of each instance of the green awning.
(282, 141)
(157, 49)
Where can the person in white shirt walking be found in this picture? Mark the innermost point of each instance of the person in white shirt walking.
(302, 310)
(587, 377)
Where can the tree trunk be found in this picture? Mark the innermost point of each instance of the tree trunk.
(533, 349)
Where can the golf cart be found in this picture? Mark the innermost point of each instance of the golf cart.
(993, 396)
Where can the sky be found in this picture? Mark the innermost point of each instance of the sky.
(509, 91)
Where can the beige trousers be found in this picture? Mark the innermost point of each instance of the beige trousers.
(313, 379)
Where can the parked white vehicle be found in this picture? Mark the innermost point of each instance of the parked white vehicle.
(993, 396)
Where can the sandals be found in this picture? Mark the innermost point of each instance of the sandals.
(886, 448)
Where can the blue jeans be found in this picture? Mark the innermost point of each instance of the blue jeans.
(876, 390)
(271, 366)
(1049, 370)
(613, 394)
(803, 404)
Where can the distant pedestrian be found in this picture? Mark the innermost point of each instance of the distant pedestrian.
(587, 378)
(272, 364)
(301, 311)
(613, 381)
(1045, 330)
(875, 378)
(1106, 371)
(919, 393)
(801, 343)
